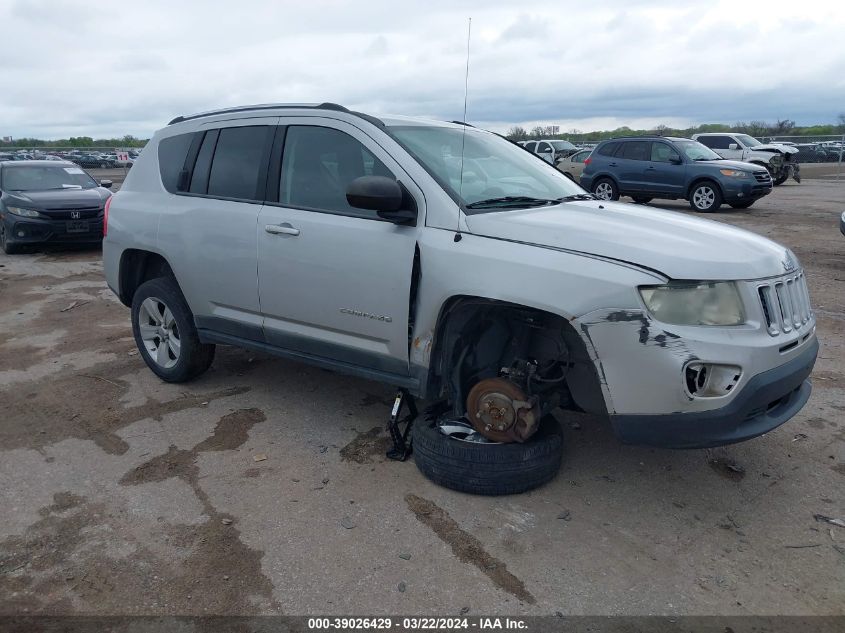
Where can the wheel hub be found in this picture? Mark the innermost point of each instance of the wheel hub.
(499, 410)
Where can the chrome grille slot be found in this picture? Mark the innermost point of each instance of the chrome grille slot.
(785, 303)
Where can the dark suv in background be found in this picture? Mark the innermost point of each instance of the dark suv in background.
(663, 167)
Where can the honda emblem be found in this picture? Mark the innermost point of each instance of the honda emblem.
(74, 215)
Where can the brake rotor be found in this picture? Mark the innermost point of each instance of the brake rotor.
(499, 410)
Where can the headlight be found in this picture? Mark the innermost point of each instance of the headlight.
(695, 303)
(734, 173)
(25, 213)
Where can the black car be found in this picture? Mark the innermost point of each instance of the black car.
(94, 161)
(663, 167)
(49, 202)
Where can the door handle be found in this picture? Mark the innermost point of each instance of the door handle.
(281, 229)
(611, 164)
(650, 168)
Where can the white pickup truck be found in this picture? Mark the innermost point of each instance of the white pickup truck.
(780, 160)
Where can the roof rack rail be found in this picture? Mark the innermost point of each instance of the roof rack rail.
(462, 123)
(278, 106)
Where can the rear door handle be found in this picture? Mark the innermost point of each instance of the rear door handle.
(650, 168)
(281, 229)
(611, 164)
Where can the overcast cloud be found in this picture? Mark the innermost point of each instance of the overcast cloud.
(111, 68)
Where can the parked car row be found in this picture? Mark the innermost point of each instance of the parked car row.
(89, 159)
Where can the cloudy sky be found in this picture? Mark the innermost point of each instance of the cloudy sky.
(112, 68)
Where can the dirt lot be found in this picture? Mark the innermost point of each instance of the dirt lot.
(262, 487)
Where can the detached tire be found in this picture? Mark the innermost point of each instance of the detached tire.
(488, 469)
(164, 331)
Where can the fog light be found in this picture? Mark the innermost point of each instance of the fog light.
(710, 380)
(21, 234)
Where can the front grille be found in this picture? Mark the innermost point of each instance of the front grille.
(66, 214)
(786, 303)
(762, 176)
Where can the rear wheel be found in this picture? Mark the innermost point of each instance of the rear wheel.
(165, 334)
(459, 458)
(606, 189)
(705, 197)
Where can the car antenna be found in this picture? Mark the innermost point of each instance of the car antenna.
(464, 134)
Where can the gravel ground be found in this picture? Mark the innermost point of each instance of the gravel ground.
(263, 488)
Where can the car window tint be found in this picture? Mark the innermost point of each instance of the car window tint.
(543, 147)
(608, 149)
(171, 158)
(663, 153)
(317, 166)
(635, 150)
(199, 175)
(530, 145)
(716, 142)
(237, 162)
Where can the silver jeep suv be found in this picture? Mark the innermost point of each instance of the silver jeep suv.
(449, 262)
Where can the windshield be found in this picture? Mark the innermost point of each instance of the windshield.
(559, 145)
(43, 177)
(694, 150)
(496, 173)
(748, 141)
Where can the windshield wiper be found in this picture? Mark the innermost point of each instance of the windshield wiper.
(577, 196)
(510, 201)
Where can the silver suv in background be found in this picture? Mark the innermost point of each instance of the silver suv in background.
(446, 261)
(780, 159)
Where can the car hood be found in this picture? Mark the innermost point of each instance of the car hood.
(60, 198)
(729, 164)
(676, 245)
(775, 147)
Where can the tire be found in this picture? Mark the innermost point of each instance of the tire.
(488, 469)
(605, 189)
(641, 199)
(103, 165)
(705, 197)
(160, 309)
(9, 249)
(742, 205)
(781, 179)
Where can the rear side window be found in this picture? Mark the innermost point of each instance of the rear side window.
(530, 145)
(608, 149)
(171, 159)
(716, 142)
(239, 156)
(317, 166)
(635, 150)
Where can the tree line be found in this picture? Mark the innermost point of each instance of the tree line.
(76, 141)
(757, 129)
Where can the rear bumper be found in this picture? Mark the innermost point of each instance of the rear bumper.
(768, 400)
(39, 231)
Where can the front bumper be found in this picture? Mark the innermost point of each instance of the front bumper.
(768, 400)
(39, 231)
(737, 192)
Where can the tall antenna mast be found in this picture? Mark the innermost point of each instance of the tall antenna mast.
(464, 135)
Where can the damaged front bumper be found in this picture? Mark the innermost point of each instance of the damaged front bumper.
(756, 378)
(768, 400)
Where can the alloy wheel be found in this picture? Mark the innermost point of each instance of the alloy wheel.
(159, 332)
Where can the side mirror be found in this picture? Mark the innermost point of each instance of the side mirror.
(106, 183)
(546, 151)
(676, 160)
(733, 146)
(383, 195)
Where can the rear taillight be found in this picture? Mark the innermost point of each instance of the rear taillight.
(587, 160)
(106, 216)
